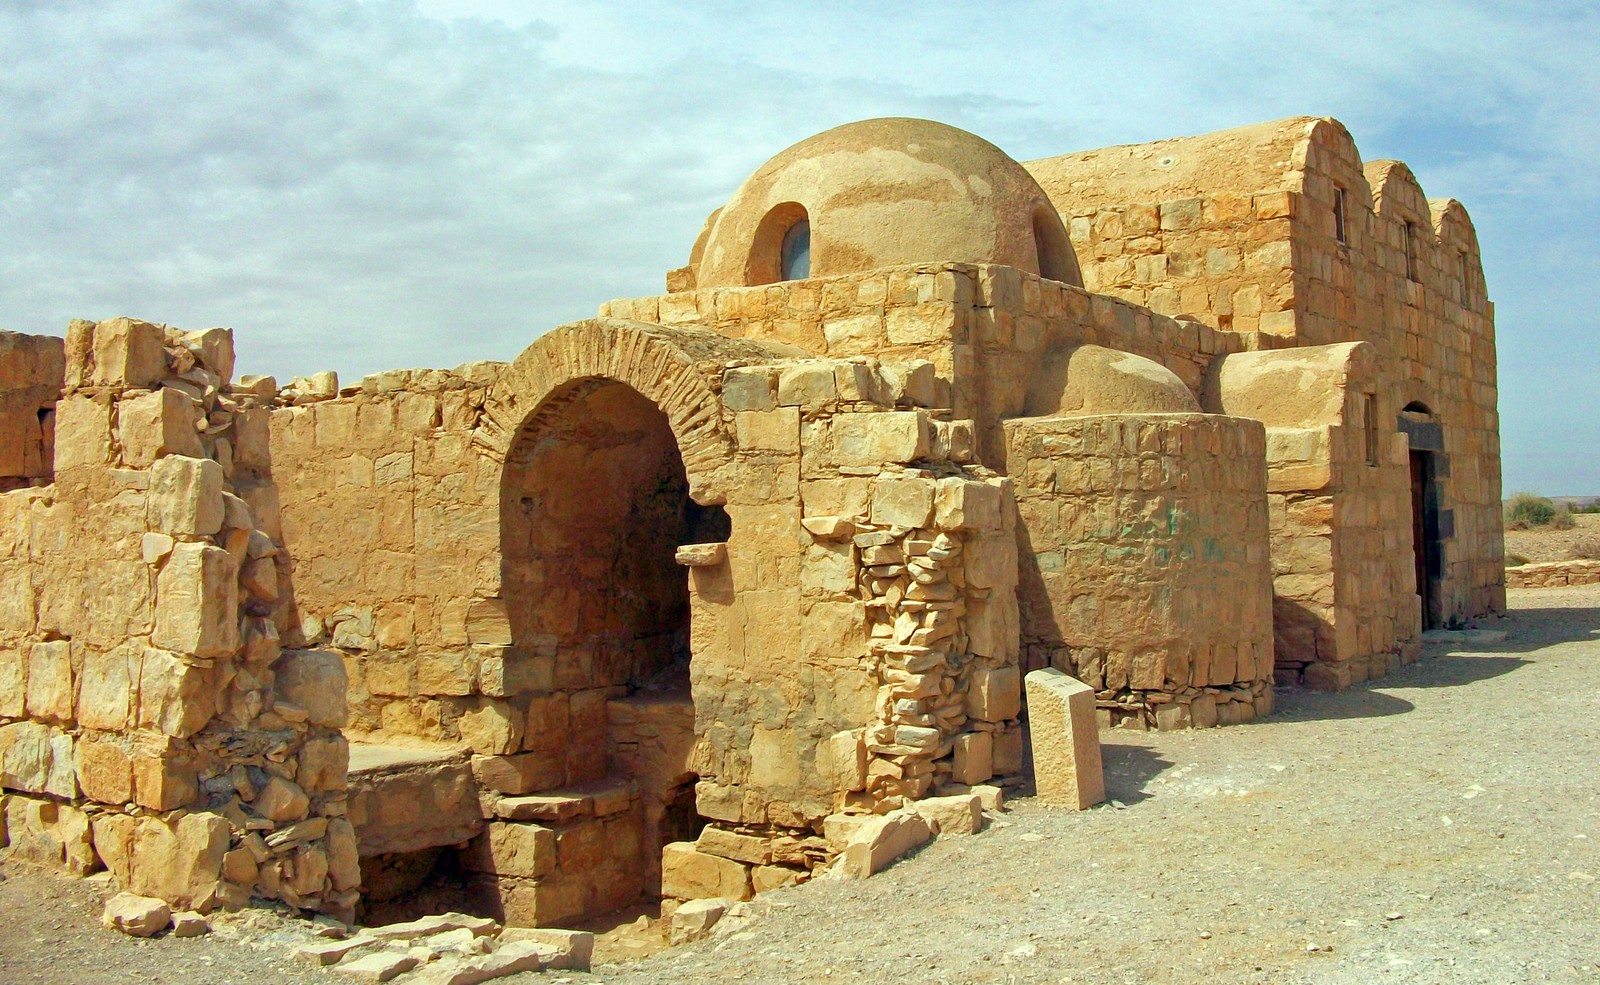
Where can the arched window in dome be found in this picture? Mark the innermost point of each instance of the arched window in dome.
(1051, 247)
(781, 248)
(794, 259)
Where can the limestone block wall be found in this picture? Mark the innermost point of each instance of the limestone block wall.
(392, 521)
(31, 370)
(1145, 574)
(1553, 574)
(1283, 228)
(150, 723)
(1345, 604)
(982, 330)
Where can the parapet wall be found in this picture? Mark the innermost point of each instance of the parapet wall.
(32, 368)
(1145, 572)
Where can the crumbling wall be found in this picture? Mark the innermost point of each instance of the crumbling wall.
(1144, 563)
(31, 371)
(151, 724)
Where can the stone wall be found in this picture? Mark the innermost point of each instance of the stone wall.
(1145, 571)
(1553, 574)
(151, 724)
(1238, 230)
(392, 523)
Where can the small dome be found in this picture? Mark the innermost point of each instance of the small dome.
(1090, 380)
(883, 193)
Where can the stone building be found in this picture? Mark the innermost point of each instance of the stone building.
(634, 613)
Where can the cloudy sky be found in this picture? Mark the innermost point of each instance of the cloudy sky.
(363, 185)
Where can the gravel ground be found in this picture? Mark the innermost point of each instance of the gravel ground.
(1437, 826)
(1545, 544)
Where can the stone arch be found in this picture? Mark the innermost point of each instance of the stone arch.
(674, 368)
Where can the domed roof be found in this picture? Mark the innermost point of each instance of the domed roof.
(882, 193)
(1089, 380)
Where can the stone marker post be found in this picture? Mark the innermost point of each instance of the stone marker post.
(1066, 740)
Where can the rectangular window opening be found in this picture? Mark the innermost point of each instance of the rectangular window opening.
(1411, 252)
(1338, 215)
(1370, 425)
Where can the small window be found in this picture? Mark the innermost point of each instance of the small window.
(1461, 265)
(1338, 215)
(1370, 426)
(795, 258)
(1411, 252)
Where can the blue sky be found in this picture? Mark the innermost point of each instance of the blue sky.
(360, 186)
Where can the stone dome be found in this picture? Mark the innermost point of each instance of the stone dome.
(1089, 380)
(882, 193)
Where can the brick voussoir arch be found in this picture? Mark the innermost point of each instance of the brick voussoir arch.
(677, 368)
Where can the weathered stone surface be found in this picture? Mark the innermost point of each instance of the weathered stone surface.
(694, 919)
(379, 967)
(158, 424)
(437, 924)
(879, 841)
(50, 694)
(494, 728)
(186, 496)
(690, 874)
(281, 800)
(1066, 741)
(175, 697)
(954, 815)
(513, 849)
(128, 353)
(187, 923)
(36, 758)
(873, 439)
(136, 916)
(197, 601)
(518, 774)
(324, 953)
(315, 680)
(176, 860)
(574, 948)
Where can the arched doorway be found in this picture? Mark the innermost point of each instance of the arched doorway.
(595, 502)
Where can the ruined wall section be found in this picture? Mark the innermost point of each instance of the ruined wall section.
(1144, 563)
(32, 368)
(393, 526)
(151, 724)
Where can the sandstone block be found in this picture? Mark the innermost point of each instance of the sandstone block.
(733, 845)
(574, 948)
(690, 874)
(50, 695)
(523, 850)
(974, 758)
(82, 433)
(136, 916)
(955, 815)
(877, 439)
(694, 920)
(213, 349)
(842, 762)
(13, 682)
(324, 953)
(105, 770)
(553, 808)
(433, 924)
(1066, 741)
(128, 353)
(809, 385)
(47, 833)
(493, 729)
(994, 694)
(317, 681)
(344, 863)
(175, 697)
(186, 496)
(179, 860)
(187, 923)
(158, 424)
(36, 758)
(906, 502)
(379, 967)
(487, 622)
(522, 773)
(748, 388)
(879, 841)
(281, 800)
(962, 504)
(776, 431)
(702, 555)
